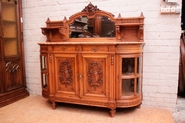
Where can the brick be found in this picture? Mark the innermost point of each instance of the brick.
(154, 82)
(165, 89)
(170, 100)
(169, 49)
(151, 75)
(149, 88)
(167, 76)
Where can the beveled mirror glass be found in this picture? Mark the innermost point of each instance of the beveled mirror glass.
(99, 26)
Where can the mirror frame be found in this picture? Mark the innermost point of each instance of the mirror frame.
(58, 31)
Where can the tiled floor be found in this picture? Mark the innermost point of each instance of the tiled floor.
(36, 109)
(179, 111)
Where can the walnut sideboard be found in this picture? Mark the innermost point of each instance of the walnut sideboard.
(93, 59)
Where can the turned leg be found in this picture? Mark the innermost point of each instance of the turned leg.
(112, 112)
(139, 106)
(53, 105)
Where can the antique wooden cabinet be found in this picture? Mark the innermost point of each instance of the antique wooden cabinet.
(93, 59)
(12, 76)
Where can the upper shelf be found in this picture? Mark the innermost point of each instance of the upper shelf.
(92, 22)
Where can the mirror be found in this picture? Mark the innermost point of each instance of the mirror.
(98, 26)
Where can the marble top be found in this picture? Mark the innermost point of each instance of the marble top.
(88, 43)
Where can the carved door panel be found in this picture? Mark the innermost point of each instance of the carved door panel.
(95, 76)
(13, 75)
(66, 75)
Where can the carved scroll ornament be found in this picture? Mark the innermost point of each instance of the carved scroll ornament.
(11, 67)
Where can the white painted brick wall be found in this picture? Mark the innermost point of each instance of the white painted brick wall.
(161, 34)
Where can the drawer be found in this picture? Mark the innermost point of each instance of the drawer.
(43, 48)
(95, 48)
(64, 48)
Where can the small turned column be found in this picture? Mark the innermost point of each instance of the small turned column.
(112, 106)
(53, 105)
(139, 106)
(112, 112)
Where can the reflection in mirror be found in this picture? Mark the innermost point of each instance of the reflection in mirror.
(84, 27)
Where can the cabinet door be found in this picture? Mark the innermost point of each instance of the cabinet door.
(65, 76)
(11, 45)
(95, 76)
(129, 70)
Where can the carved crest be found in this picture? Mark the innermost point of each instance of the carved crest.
(90, 9)
(65, 73)
(95, 75)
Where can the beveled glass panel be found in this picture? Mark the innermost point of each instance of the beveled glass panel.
(10, 47)
(99, 26)
(138, 85)
(139, 65)
(128, 66)
(43, 63)
(44, 80)
(127, 87)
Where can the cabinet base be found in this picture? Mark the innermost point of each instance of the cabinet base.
(12, 97)
(111, 105)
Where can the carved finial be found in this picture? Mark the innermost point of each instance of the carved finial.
(65, 19)
(48, 20)
(119, 16)
(141, 16)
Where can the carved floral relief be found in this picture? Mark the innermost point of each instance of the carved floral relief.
(65, 73)
(95, 75)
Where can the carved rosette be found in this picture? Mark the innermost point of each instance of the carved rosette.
(65, 73)
(95, 75)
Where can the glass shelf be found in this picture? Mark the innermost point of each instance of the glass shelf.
(9, 22)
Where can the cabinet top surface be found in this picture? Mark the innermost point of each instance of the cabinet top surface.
(88, 43)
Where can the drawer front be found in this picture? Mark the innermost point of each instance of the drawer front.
(95, 48)
(64, 48)
(43, 48)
